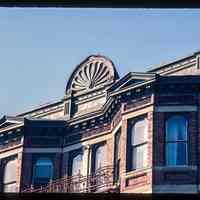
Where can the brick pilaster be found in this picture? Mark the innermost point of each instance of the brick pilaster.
(123, 155)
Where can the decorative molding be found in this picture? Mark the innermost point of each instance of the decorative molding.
(198, 62)
(11, 127)
(94, 72)
(91, 75)
(42, 150)
(176, 168)
(72, 147)
(140, 111)
(10, 152)
(176, 108)
(188, 188)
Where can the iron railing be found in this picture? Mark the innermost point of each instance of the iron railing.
(101, 181)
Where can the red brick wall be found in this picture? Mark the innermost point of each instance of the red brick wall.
(123, 155)
(110, 150)
(18, 171)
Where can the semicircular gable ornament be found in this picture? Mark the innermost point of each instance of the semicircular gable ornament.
(92, 75)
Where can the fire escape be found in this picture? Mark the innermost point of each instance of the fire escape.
(102, 181)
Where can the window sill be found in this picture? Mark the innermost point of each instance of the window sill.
(176, 168)
(137, 171)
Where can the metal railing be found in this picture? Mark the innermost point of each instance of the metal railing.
(101, 181)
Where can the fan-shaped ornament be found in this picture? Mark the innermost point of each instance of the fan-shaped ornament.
(92, 75)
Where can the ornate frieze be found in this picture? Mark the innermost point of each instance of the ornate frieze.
(77, 136)
(137, 103)
(11, 143)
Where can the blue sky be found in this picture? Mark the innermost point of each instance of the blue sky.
(39, 47)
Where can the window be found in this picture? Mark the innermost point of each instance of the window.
(176, 140)
(139, 144)
(9, 180)
(77, 165)
(99, 159)
(117, 155)
(43, 171)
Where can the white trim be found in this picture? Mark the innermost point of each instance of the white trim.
(137, 112)
(11, 127)
(117, 127)
(72, 147)
(10, 153)
(88, 142)
(175, 108)
(189, 188)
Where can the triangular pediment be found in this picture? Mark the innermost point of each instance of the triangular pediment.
(132, 78)
(8, 121)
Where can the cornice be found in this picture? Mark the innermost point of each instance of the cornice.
(174, 65)
(42, 108)
(11, 127)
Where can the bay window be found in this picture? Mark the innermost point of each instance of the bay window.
(176, 141)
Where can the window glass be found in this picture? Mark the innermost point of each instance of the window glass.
(43, 171)
(139, 132)
(176, 153)
(117, 155)
(176, 128)
(139, 157)
(176, 141)
(138, 144)
(77, 165)
(9, 180)
(100, 157)
(10, 171)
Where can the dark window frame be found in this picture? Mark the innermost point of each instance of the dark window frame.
(116, 162)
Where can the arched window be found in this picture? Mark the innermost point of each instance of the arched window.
(139, 144)
(77, 165)
(100, 157)
(176, 140)
(43, 171)
(9, 180)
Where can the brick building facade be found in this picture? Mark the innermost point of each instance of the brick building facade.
(136, 134)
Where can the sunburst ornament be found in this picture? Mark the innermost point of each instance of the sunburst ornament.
(96, 72)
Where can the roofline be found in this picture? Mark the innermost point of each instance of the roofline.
(154, 69)
(39, 108)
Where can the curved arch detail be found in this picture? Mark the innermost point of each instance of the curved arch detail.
(93, 72)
